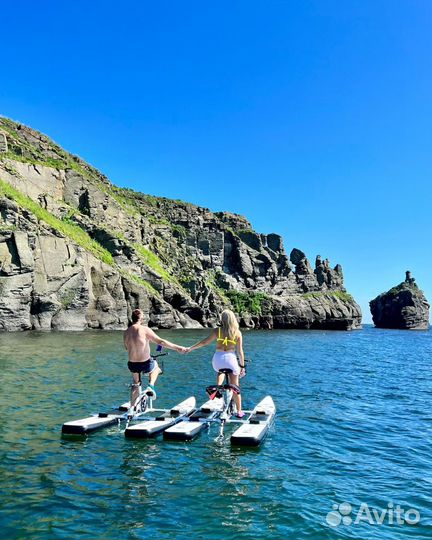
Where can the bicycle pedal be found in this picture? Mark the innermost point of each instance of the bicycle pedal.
(150, 393)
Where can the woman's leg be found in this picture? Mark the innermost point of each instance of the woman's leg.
(234, 379)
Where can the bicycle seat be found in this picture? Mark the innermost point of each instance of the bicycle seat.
(225, 371)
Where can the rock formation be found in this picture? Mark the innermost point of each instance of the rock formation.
(403, 306)
(78, 252)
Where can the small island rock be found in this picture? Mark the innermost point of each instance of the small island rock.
(404, 307)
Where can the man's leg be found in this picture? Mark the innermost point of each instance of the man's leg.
(135, 388)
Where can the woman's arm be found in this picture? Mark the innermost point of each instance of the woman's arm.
(204, 342)
(240, 352)
(154, 338)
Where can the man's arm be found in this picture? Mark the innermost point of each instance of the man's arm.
(154, 338)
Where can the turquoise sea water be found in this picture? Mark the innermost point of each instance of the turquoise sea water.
(353, 425)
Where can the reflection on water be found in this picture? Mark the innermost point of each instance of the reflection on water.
(353, 425)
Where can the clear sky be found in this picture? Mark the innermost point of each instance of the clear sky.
(311, 118)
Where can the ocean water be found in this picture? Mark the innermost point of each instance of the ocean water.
(349, 455)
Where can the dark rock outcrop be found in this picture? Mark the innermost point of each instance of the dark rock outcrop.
(77, 252)
(403, 306)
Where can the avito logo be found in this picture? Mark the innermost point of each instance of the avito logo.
(392, 515)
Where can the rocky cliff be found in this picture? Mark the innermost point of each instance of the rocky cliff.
(403, 306)
(77, 252)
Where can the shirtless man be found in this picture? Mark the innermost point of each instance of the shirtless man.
(137, 339)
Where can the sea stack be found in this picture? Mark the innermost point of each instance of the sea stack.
(404, 306)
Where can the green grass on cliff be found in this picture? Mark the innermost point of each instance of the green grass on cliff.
(153, 261)
(394, 291)
(148, 257)
(341, 295)
(47, 161)
(139, 281)
(252, 303)
(66, 228)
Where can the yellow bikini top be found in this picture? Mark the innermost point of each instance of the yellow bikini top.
(225, 340)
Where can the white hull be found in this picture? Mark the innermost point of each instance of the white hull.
(189, 429)
(151, 428)
(255, 430)
(89, 424)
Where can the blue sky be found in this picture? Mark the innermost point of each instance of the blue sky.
(311, 118)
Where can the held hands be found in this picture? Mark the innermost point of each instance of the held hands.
(183, 350)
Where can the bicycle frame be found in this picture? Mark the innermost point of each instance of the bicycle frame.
(226, 392)
(142, 402)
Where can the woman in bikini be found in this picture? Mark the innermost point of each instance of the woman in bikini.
(228, 340)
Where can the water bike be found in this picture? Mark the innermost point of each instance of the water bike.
(220, 408)
(141, 408)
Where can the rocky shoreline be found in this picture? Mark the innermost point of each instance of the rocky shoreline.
(77, 252)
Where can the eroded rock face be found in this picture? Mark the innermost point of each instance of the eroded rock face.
(48, 282)
(404, 307)
(193, 262)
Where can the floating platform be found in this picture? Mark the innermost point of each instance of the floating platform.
(90, 424)
(255, 430)
(187, 430)
(152, 428)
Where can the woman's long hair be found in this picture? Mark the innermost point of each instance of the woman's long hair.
(230, 326)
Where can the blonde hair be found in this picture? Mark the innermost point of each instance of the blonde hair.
(230, 326)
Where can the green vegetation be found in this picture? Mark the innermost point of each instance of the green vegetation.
(344, 296)
(150, 200)
(139, 281)
(21, 150)
(185, 204)
(158, 221)
(25, 152)
(211, 282)
(67, 298)
(66, 228)
(8, 167)
(401, 287)
(46, 161)
(179, 231)
(126, 202)
(71, 230)
(133, 198)
(253, 303)
(7, 228)
(153, 261)
(52, 155)
(8, 126)
(341, 295)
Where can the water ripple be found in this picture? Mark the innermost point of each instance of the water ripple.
(353, 425)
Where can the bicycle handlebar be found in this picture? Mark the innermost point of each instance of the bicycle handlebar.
(160, 354)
